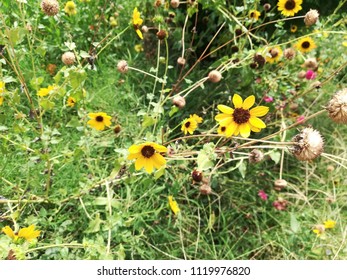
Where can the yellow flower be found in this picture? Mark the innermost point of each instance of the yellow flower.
(71, 101)
(1, 100)
(318, 230)
(137, 22)
(99, 120)
(46, 91)
(190, 124)
(138, 48)
(289, 8)
(70, 8)
(27, 233)
(173, 205)
(147, 155)
(274, 54)
(2, 90)
(241, 120)
(329, 224)
(293, 28)
(305, 44)
(254, 14)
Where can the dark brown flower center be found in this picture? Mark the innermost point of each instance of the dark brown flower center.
(99, 118)
(147, 151)
(241, 115)
(252, 14)
(274, 53)
(187, 124)
(290, 5)
(305, 45)
(223, 128)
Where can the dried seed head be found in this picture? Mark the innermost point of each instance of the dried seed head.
(311, 17)
(267, 7)
(68, 58)
(181, 61)
(214, 76)
(117, 129)
(255, 156)
(122, 66)
(50, 7)
(144, 28)
(316, 85)
(311, 63)
(197, 175)
(280, 184)
(302, 74)
(175, 3)
(179, 101)
(337, 107)
(289, 53)
(205, 189)
(259, 60)
(308, 144)
(162, 34)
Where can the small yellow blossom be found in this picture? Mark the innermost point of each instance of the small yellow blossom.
(2, 90)
(318, 230)
(99, 120)
(138, 48)
(71, 101)
(173, 205)
(190, 124)
(137, 22)
(70, 8)
(27, 233)
(329, 224)
(254, 14)
(46, 91)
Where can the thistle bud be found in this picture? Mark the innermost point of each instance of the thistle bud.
(280, 184)
(122, 66)
(68, 58)
(175, 3)
(255, 156)
(289, 53)
(181, 61)
(50, 7)
(337, 107)
(179, 101)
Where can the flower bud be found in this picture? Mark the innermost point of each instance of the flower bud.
(175, 3)
(280, 184)
(181, 61)
(197, 176)
(214, 76)
(68, 58)
(179, 101)
(311, 17)
(50, 7)
(122, 66)
(255, 156)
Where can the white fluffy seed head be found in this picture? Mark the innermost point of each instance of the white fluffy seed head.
(308, 145)
(337, 107)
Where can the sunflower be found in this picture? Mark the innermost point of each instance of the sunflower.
(274, 54)
(254, 14)
(147, 155)
(241, 120)
(70, 8)
(305, 44)
(71, 101)
(99, 120)
(191, 124)
(293, 28)
(27, 233)
(289, 7)
(137, 21)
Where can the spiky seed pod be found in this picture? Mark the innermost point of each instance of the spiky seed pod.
(50, 7)
(181, 61)
(337, 107)
(280, 184)
(308, 145)
(311, 17)
(316, 85)
(214, 76)
(179, 101)
(289, 53)
(205, 189)
(175, 3)
(122, 66)
(68, 58)
(311, 63)
(255, 156)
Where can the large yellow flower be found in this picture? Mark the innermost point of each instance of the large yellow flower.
(289, 7)
(137, 22)
(147, 155)
(27, 233)
(190, 124)
(99, 120)
(254, 14)
(70, 8)
(241, 120)
(305, 44)
(274, 54)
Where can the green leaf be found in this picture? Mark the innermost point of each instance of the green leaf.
(242, 168)
(160, 172)
(206, 156)
(46, 104)
(77, 78)
(16, 35)
(94, 224)
(294, 224)
(36, 82)
(173, 111)
(148, 121)
(275, 156)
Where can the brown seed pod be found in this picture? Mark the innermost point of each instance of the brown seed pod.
(337, 107)
(50, 7)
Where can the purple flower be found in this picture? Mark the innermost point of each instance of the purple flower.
(310, 75)
(262, 195)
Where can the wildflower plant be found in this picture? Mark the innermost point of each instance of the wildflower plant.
(212, 122)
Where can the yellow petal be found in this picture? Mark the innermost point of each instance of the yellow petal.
(134, 149)
(255, 129)
(245, 130)
(139, 33)
(225, 109)
(237, 100)
(149, 165)
(249, 102)
(140, 162)
(159, 148)
(9, 232)
(133, 156)
(221, 117)
(158, 160)
(257, 122)
(231, 129)
(259, 111)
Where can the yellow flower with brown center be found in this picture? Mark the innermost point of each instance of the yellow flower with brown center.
(71, 101)
(70, 8)
(293, 28)
(27, 233)
(329, 224)
(137, 22)
(289, 8)
(46, 91)
(305, 44)
(254, 14)
(99, 120)
(147, 155)
(173, 205)
(190, 124)
(241, 120)
(274, 54)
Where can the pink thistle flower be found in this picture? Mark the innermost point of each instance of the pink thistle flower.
(280, 204)
(268, 99)
(310, 74)
(300, 119)
(262, 195)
